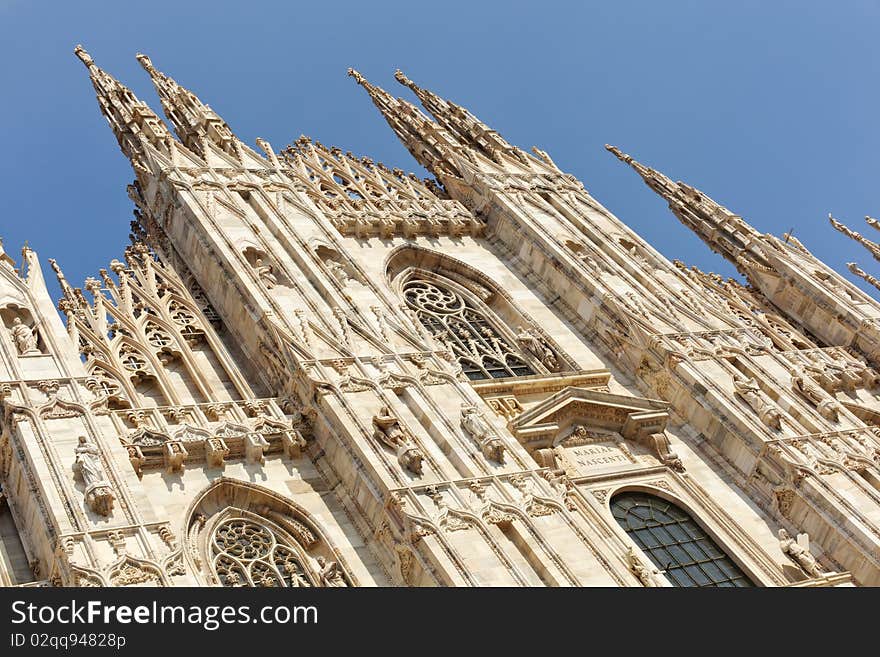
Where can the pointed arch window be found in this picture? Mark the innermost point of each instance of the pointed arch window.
(245, 552)
(469, 331)
(675, 543)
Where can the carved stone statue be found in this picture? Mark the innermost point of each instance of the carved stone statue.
(638, 568)
(537, 346)
(799, 551)
(330, 574)
(842, 375)
(25, 337)
(87, 467)
(750, 392)
(264, 272)
(389, 432)
(295, 575)
(337, 270)
(481, 431)
(826, 405)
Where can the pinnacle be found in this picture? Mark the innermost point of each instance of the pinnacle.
(620, 155)
(360, 79)
(401, 77)
(145, 62)
(84, 56)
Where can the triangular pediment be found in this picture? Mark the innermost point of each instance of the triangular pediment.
(632, 417)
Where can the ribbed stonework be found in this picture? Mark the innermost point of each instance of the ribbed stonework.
(310, 369)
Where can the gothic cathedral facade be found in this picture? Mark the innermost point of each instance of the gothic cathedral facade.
(309, 369)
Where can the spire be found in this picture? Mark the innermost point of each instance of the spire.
(654, 179)
(193, 121)
(432, 147)
(861, 273)
(872, 222)
(131, 120)
(466, 127)
(873, 247)
(724, 232)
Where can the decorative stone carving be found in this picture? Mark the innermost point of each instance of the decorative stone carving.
(293, 444)
(507, 407)
(255, 447)
(638, 568)
(749, 391)
(826, 405)
(799, 552)
(87, 467)
(537, 346)
(265, 274)
(174, 454)
(216, 452)
(530, 503)
(330, 574)
(136, 457)
(662, 447)
(387, 429)
(25, 338)
(337, 271)
(481, 431)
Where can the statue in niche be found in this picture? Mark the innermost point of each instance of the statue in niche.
(337, 270)
(481, 431)
(825, 405)
(748, 389)
(264, 273)
(87, 467)
(537, 346)
(330, 574)
(389, 432)
(799, 551)
(25, 337)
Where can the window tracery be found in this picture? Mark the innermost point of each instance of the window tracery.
(247, 553)
(467, 330)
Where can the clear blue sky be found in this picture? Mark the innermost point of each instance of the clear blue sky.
(770, 108)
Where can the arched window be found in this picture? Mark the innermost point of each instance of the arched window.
(676, 544)
(482, 350)
(247, 553)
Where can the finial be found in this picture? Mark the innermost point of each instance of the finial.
(620, 155)
(84, 57)
(145, 62)
(266, 147)
(861, 273)
(400, 77)
(872, 222)
(360, 79)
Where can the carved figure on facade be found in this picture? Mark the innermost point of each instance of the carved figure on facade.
(388, 430)
(87, 467)
(647, 576)
(799, 551)
(749, 391)
(538, 347)
(330, 574)
(826, 405)
(25, 338)
(265, 273)
(337, 270)
(481, 431)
